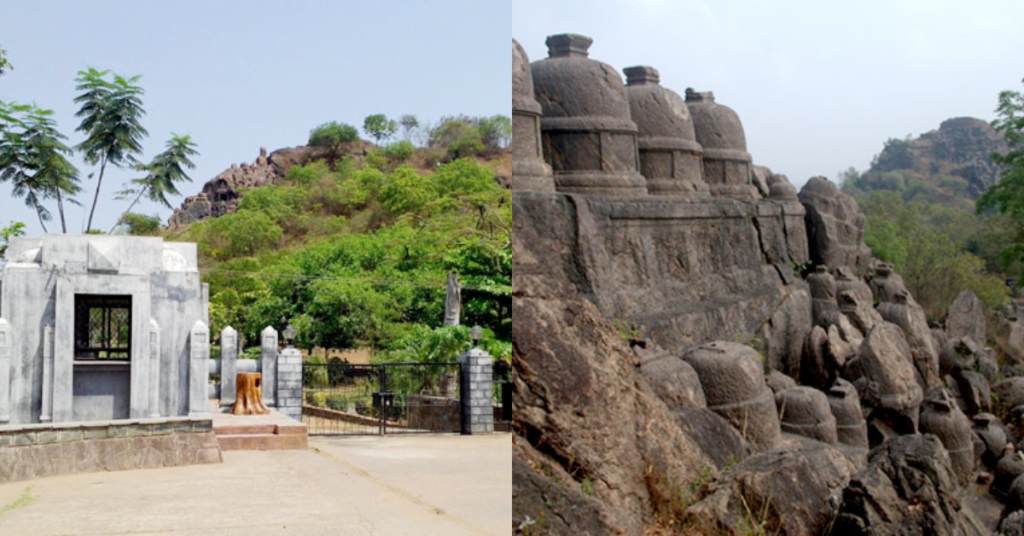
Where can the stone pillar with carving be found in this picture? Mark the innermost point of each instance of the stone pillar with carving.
(228, 366)
(199, 369)
(268, 363)
(477, 396)
(154, 369)
(6, 347)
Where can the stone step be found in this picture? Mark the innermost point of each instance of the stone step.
(274, 431)
(262, 441)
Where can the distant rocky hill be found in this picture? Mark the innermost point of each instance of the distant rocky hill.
(947, 165)
(221, 194)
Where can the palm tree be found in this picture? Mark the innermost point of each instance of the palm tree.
(110, 114)
(33, 158)
(162, 173)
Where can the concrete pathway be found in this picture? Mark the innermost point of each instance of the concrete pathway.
(422, 485)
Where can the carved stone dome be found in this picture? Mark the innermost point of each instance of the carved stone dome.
(719, 131)
(589, 139)
(670, 157)
(529, 171)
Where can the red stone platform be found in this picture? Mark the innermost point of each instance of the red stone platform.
(274, 431)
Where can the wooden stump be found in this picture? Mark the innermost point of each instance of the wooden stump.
(249, 397)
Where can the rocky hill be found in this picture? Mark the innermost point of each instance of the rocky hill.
(951, 164)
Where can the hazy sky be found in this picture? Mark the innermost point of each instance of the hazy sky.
(240, 75)
(819, 85)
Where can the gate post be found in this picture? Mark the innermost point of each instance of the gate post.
(6, 346)
(289, 383)
(476, 397)
(228, 366)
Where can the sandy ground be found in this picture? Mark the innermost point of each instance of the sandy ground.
(423, 485)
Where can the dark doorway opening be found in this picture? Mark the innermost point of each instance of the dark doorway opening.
(103, 327)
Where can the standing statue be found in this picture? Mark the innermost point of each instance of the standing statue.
(452, 301)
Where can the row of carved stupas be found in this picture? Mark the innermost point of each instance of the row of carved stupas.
(578, 129)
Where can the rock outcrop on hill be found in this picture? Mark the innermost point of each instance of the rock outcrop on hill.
(221, 194)
(626, 306)
(960, 148)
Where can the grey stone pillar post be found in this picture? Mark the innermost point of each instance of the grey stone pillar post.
(6, 344)
(289, 383)
(46, 415)
(228, 366)
(199, 369)
(268, 362)
(154, 369)
(477, 397)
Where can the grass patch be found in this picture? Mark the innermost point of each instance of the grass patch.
(26, 498)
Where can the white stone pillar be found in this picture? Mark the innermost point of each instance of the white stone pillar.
(289, 383)
(228, 366)
(477, 396)
(6, 349)
(268, 361)
(154, 369)
(46, 415)
(199, 369)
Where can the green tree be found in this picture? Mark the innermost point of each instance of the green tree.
(33, 158)
(379, 127)
(111, 111)
(332, 135)
(1007, 196)
(495, 131)
(141, 224)
(16, 228)
(162, 174)
(406, 191)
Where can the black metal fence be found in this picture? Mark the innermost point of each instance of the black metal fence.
(346, 399)
(502, 396)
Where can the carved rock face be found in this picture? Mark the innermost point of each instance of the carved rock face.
(670, 157)
(734, 387)
(529, 171)
(589, 139)
(911, 319)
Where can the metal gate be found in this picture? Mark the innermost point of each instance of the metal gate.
(340, 398)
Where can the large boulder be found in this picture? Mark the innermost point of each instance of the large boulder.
(966, 318)
(548, 500)
(835, 225)
(789, 491)
(941, 417)
(581, 401)
(908, 487)
(672, 379)
(886, 360)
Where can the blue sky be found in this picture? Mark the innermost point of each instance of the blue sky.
(819, 85)
(238, 75)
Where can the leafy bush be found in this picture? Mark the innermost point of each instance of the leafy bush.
(400, 151)
(246, 232)
(332, 135)
(337, 402)
(406, 191)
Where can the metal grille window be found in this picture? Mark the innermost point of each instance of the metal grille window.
(103, 327)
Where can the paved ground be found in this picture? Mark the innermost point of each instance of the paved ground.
(423, 485)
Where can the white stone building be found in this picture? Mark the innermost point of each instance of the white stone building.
(101, 327)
